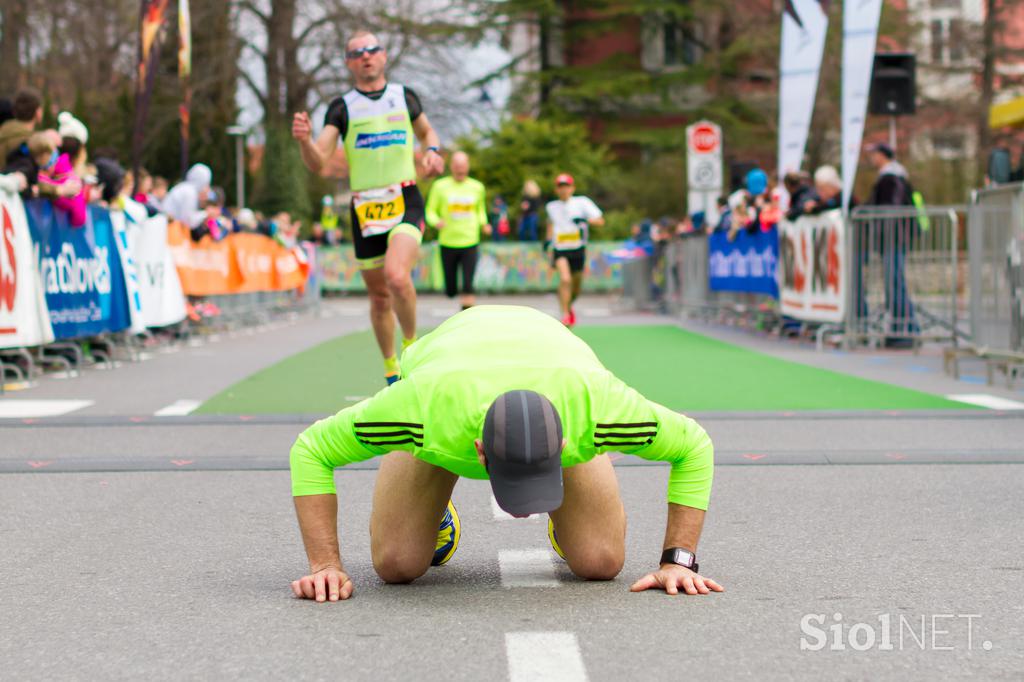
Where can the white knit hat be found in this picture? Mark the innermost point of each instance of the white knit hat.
(69, 126)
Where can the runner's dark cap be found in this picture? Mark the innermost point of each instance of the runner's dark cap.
(523, 446)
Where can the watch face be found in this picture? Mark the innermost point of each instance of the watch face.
(684, 558)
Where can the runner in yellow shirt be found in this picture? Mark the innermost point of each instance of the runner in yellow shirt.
(457, 207)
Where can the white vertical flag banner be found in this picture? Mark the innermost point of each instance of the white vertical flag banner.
(804, 27)
(860, 33)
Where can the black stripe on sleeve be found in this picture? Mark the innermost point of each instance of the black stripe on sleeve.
(415, 442)
(384, 434)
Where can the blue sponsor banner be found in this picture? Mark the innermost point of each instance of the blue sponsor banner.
(81, 271)
(747, 264)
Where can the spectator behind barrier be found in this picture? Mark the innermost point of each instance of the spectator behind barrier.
(286, 230)
(184, 202)
(65, 174)
(110, 181)
(827, 194)
(214, 223)
(742, 215)
(798, 185)
(38, 153)
(26, 114)
(529, 217)
(756, 182)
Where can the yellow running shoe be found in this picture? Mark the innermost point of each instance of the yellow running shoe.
(448, 536)
(554, 539)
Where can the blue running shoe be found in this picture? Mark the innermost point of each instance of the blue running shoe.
(448, 535)
(392, 378)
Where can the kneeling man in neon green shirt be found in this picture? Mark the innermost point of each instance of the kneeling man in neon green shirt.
(504, 393)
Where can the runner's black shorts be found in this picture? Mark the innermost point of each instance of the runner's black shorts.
(577, 258)
(370, 251)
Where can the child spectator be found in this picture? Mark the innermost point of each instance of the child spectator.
(74, 136)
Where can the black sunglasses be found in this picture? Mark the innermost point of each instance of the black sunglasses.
(359, 52)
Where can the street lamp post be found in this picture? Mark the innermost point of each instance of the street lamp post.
(238, 132)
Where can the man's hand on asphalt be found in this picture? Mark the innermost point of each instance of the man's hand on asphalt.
(328, 584)
(302, 127)
(673, 578)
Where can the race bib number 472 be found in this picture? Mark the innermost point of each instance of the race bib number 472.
(379, 210)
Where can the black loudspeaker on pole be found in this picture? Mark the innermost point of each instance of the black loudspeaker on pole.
(894, 84)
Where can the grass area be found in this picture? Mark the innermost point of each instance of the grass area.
(682, 370)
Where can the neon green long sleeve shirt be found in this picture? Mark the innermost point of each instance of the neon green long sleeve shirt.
(451, 376)
(462, 206)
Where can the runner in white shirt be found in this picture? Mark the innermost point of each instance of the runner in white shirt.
(569, 221)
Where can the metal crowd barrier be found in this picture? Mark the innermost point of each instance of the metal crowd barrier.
(905, 279)
(675, 279)
(996, 247)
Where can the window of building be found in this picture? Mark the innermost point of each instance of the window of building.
(949, 41)
(669, 44)
(679, 46)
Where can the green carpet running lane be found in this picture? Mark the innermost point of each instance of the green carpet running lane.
(679, 369)
(325, 378)
(690, 372)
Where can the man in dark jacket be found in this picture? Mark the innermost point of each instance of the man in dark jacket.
(893, 189)
(27, 113)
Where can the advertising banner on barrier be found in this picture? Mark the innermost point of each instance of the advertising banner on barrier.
(131, 275)
(163, 302)
(813, 262)
(265, 265)
(81, 271)
(503, 268)
(241, 262)
(23, 317)
(747, 264)
(204, 269)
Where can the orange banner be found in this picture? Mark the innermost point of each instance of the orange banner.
(239, 263)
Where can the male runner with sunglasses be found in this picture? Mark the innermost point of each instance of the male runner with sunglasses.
(509, 394)
(376, 122)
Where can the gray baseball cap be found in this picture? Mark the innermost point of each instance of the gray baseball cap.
(523, 446)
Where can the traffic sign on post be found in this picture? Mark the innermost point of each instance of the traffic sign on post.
(704, 165)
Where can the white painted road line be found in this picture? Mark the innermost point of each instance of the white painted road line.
(37, 409)
(502, 515)
(178, 409)
(527, 568)
(544, 657)
(986, 400)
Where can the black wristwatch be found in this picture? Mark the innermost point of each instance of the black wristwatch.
(680, 557)
(436, 150)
